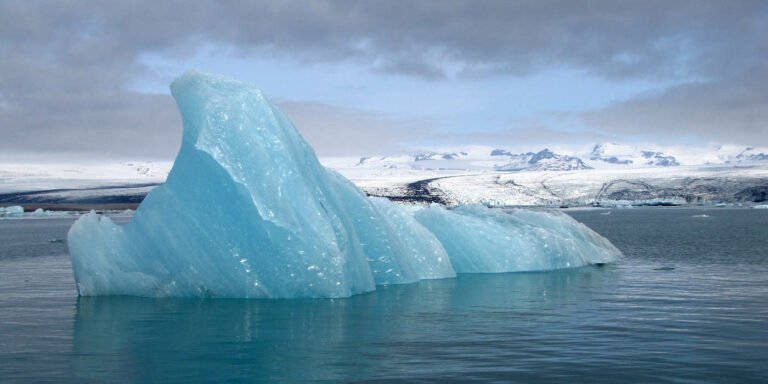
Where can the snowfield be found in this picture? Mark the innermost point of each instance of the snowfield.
(605, 174)
(644, 186)
(41, 177)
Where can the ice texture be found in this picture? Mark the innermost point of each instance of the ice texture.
(12, 211)
(248, 211)
(480, 239)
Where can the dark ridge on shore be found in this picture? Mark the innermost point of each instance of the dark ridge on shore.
(78, 207)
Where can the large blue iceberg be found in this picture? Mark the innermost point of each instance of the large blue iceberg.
(248, 211)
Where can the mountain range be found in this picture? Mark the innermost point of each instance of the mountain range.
(604, 174)
(601, 155)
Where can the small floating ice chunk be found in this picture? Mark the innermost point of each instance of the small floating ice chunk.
(12, 211)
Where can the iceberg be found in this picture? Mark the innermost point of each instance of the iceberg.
(248, 211)
(12, 211)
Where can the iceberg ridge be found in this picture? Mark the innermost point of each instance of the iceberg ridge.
(248, 211)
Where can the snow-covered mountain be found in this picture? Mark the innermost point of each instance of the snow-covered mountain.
(613, 154)
(605, 172)
(749, 155)
(544, 160)
(622, 154)
(477, 158)
(601, 155)
(439, 156)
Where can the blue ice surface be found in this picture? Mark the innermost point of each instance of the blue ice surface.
(248, 211)
(482, 240)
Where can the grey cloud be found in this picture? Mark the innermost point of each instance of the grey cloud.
(526, 138)
(731, 110)
(611, 38)
(339, 131)
(117, 125)
(65, 65)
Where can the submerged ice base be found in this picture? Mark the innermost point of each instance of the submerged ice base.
(248, 212)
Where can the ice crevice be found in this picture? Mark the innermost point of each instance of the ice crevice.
(248, 211)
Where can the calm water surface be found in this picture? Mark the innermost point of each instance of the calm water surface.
(689, 303)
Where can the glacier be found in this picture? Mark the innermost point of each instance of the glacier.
(248, 211)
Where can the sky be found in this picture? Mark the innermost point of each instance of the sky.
(88, 80)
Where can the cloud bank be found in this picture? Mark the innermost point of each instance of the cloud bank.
(66, 66)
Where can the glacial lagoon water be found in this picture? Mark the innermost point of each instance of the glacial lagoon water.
(688, 303)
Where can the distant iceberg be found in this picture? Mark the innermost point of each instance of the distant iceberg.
(247, 211)
(17, 211)
(12, 211)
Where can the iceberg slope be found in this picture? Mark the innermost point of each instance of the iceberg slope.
(248, 211)
(480, 239)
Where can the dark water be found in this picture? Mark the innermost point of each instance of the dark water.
(689, 303)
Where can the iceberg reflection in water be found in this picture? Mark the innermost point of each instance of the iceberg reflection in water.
(418, 328)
